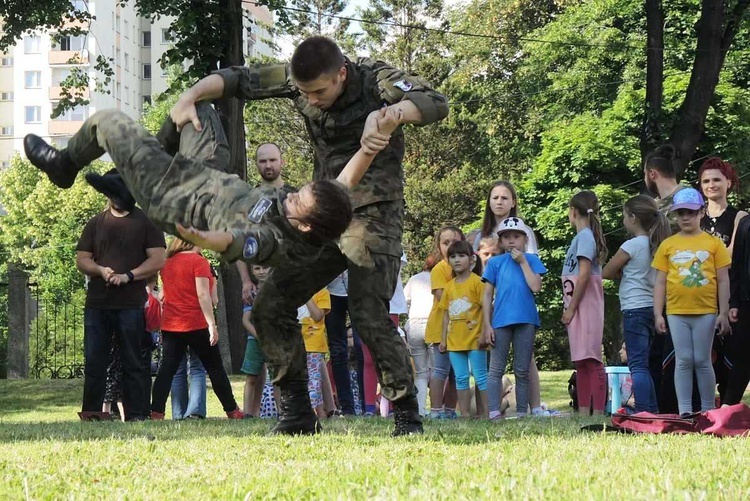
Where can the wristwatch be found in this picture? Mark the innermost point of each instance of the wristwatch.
(130, 276)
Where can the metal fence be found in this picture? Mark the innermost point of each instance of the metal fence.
(56, 344)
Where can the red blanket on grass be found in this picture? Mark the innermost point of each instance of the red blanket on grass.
(732, 420)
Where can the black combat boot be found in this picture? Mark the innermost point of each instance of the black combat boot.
(113, 187)
(296, 416)
(407, 418)
(57, 164)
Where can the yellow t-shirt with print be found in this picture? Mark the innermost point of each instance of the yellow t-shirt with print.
(314, 333)
(463, 301)
(690, 263)
(440, 275)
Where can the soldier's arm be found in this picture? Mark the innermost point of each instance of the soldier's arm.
(385, 123)
(413, 95)
(255, 82)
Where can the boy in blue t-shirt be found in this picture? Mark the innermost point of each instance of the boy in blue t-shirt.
(512, 279)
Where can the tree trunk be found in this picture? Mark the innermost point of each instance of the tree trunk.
(231, 113)
(709, 58)
(650, 131)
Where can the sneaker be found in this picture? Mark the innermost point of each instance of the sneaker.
(407, 418)
(235, 414)
(436, 414)
(543, 411)
(157, 416)
(450, 414)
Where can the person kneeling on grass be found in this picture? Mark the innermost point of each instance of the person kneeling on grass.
(211, 209)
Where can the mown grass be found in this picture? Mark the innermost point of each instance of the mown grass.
(46, 454)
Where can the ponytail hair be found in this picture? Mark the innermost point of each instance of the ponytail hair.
(646, 211)
(586, 204)
(662, 159)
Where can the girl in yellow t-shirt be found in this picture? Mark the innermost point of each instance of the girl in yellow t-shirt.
(461, 302)
(311, 317)
(692, 274)
(442, 394)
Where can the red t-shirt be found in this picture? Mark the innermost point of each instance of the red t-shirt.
(153, 314)
(181, 311)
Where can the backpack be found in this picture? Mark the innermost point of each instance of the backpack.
(731, 420)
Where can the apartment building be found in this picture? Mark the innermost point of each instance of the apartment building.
(31, 72)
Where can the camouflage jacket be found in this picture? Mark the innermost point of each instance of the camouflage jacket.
(261, 233)
(336, 131)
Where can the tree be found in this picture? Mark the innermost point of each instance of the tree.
(715, 34)
(321, 17)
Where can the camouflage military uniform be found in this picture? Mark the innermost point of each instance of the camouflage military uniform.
(191, 190)
(371, 247)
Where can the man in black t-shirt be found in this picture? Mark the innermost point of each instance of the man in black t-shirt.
(118, 250)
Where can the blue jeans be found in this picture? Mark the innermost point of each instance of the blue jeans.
(338, 345)
(440, 363)
(638, 330)
(127, 328)
(460, 361)
(522, 337)
(193, 402)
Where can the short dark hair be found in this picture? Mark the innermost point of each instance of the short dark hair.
(314, 57)
(332, 213)
(662, 159)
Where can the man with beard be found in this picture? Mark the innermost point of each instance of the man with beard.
(269, 162)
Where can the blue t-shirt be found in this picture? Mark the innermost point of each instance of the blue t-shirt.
(514, 301)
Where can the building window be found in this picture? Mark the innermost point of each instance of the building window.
(32, 79)
(126, 30)
(77, 114)
(6, 131)
(4, 164)
(167, 35)
(33, 114)
(117, 23)
(146, 100)
(127, 62)
(32, 45)
(118, 91)
(79, 5)
(72, 43)
(146, 39)
(6, 61)
(147, 71)
(6, 96)
(127, 95)
(58, 75)
(117, 57)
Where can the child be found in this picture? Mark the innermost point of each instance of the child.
(311, 317)
(461, 303)
(152, 312)
(254, 364)
(583, 298)
(440, 362)
(692, 274)
(517, 276)
(240, 222)
(632, 264)
(487, 248)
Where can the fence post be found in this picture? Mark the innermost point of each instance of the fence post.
(18, 323)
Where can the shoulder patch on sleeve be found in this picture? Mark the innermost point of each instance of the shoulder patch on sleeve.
(403, 85)
(259, 209)
(250, 249)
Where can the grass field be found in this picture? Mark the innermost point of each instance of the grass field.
(45, 453)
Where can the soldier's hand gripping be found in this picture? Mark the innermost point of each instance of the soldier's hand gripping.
(373, 140)
(183, 112)
(388, 120)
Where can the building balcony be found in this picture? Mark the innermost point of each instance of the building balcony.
(55, 93)
(64, 127)
(65, 57)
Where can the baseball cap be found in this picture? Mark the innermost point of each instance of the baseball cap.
(687, 198)
(512, 224)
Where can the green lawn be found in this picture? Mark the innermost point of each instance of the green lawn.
(45, 453)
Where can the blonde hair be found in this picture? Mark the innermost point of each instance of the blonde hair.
(177, 245)
(646, 211)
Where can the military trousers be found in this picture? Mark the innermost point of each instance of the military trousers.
(371, 250)
(170, 189)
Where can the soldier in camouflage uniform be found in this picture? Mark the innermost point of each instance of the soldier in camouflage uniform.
(224, 214)
(335, 97)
